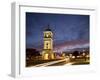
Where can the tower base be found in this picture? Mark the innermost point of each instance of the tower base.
(48, 55)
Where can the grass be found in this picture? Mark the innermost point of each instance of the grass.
(80, 62)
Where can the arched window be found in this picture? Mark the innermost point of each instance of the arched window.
(47, 45)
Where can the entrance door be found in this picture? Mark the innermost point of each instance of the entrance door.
(46, 56)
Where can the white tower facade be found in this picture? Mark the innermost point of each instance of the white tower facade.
(47, 53)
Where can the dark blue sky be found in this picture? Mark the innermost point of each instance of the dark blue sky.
(65, 27)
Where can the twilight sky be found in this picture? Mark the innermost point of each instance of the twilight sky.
(65, 27)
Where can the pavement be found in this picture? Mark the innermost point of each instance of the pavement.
(53, 62)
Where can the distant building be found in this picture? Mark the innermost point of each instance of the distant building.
(47, 53)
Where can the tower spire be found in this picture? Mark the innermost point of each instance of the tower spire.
(48, 28)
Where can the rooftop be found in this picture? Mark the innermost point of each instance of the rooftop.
(48, 28)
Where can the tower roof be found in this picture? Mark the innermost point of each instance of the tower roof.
(48, 28)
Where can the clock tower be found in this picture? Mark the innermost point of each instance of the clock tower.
(47, 53)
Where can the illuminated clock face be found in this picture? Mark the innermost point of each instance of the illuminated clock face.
(48, 35)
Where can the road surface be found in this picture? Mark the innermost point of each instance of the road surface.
(53, 62)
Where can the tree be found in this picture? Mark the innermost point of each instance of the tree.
(75, 53)
(32, 53)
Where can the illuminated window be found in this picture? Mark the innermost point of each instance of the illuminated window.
(47, 45)
(46, 56)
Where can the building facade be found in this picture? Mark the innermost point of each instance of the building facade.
(47, 53)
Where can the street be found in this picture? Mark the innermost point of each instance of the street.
(53, 63)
